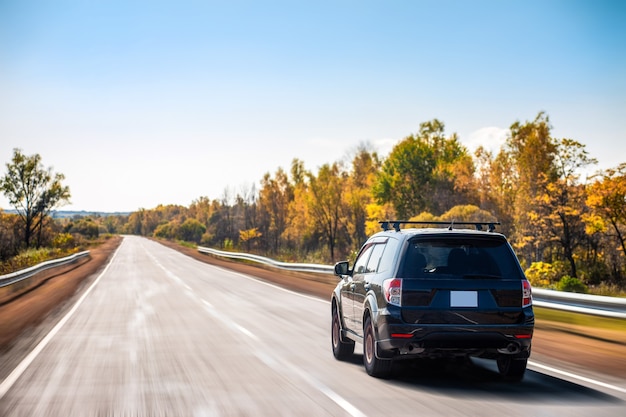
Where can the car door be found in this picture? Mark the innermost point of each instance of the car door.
(350, 285)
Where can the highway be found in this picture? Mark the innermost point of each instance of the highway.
(160, 334)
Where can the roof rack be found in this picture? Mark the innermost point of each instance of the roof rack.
(491, 226)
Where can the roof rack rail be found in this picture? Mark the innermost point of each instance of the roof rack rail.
(491, 226)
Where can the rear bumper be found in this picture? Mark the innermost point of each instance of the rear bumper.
(395, 338)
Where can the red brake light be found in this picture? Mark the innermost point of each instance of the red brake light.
(402, 335)
(527, 294)
(392, 288)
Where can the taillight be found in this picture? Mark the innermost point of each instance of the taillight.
(527, 294)
(392, 288)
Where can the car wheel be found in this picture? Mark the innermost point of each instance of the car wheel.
(341, 350)
(512, 368)
(376, 367)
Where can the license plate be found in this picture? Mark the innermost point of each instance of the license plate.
(463, 299)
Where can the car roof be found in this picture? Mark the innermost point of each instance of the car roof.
(438, 231)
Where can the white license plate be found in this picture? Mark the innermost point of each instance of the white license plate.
(463, 299)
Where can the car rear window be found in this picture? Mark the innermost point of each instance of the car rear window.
(468, 257)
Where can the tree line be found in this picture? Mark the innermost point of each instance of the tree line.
(567, 225)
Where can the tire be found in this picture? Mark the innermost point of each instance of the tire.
(376, 367)
(341, 350)
(511, 368)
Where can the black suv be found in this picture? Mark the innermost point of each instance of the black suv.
(434, 293)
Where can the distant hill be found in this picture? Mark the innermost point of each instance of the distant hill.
(60, 214)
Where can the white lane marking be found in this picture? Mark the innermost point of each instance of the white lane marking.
(208, 306)
(578, 377)
(212, 311)
(6, 385)
(170, 274)
(270, 359)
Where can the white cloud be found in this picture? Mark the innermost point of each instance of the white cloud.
(384, 146)
(491, 138)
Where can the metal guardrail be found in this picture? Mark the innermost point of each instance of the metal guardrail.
(320, 269)
(596, 305)
(15, 277)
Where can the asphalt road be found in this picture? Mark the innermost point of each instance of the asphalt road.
(160, 334)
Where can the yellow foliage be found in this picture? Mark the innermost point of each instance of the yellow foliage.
(246, 235)
(376, 213)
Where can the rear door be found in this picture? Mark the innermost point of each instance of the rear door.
(461, 280)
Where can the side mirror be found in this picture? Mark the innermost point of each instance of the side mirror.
(342, 268)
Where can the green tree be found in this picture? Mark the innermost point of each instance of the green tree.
(167, 230)
(85, 227)
(33, 191)
(191, 231)
(426, 171)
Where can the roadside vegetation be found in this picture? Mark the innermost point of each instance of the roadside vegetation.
(32, 235)
(565, 219)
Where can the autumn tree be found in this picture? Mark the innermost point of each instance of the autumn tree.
(358, 194)
(247, 236)
(10, 235)
(246, 209)
(325, 204)
(467, 213)
(299, 224)
(526, 166)
(201, 209)
(33, 191)
(85, 226)
(275, 196)
(560, 205)
(607, 199)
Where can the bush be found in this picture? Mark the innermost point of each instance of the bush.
(571, 284)
(28, 258)
(166, 230)
(63, 241)
(191, 231)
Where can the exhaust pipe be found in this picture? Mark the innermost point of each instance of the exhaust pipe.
(411, 349)
(510, 349)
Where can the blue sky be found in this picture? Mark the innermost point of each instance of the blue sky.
(145, 102)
